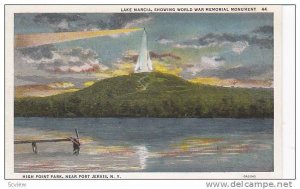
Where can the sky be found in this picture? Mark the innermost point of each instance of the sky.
(220, 49)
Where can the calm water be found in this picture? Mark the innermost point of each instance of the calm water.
(146, 144)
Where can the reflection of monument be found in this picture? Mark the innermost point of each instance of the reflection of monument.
(144, 63)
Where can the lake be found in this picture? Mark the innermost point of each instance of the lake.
(146, 145)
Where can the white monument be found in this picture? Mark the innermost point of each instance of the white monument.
(144, 63)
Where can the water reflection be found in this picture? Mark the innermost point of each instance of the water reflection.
(185, 151)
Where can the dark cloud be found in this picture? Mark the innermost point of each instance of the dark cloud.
(264, 30)
(55, 18)
(37, 53)
(267, 43)
(84, 54)
(153, 55)
(241, 72)
(69, 60)
(212, 38)
(219, 59)
(261, 41)
(66, 22)
(220, 38)
(120, 20)
(60, 22)
(77, 81)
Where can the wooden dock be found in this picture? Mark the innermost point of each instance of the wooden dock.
(41, 141)
(75, 141)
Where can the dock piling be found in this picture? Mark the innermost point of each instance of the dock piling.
(75, 142)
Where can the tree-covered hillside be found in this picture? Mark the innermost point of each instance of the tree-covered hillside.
(151, 95)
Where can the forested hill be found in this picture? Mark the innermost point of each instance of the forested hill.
(151, 95)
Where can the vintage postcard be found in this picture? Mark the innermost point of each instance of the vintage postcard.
(143, 92)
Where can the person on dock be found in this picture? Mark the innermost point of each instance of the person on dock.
(76, 146)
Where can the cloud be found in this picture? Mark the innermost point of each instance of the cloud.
(69, 22)
(264, 30)
(55, 18)
(239, 47)
(61, 85)
(42, 90)
(218, 67)
(163, 40)
(212, 38)
(70, 60)
(205, 63)
(132, 56)
(120, 20)
(60, 22)
(233, 82)
(38, 53)
(184, 46)
(44, 78)
(238, 42)
(256, 71)
(166, 68)
(212, 62)
(86, 67)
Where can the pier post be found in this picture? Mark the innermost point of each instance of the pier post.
(34, 147)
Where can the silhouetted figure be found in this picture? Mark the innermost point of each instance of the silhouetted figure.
(34, 147)
(76, 146)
